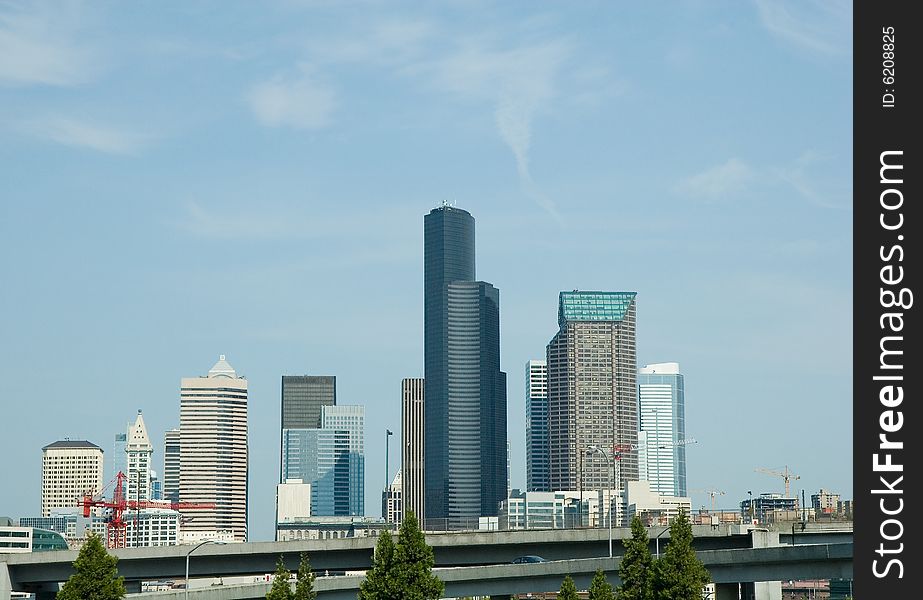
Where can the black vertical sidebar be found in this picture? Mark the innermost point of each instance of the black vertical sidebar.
(887, 373)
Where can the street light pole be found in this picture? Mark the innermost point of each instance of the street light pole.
(608, 464)
(200, 544)
(657, 541)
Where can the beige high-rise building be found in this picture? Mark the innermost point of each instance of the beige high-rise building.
(593, 392)
(71, 469)
(214, 452)
(412, 446)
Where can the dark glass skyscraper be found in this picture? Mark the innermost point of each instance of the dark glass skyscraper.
(465, 409)
(302, 397)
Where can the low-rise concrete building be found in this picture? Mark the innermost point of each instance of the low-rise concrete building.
(327, 528)
(653, 508)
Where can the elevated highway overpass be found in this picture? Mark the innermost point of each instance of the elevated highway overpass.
(42, 572)
(727, 569)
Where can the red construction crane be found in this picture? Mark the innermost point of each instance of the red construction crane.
(116, 526)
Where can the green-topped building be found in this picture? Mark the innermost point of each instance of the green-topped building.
(592, 390)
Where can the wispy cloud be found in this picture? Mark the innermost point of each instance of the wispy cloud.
(820, 26)
(718, 182)
(520, 82)
(804, 175)
(301, 101)
(80, 134)
(39, 45)
(387, 41)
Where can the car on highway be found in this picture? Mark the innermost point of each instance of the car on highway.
(531, 558)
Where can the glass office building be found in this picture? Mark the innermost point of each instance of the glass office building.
(537, 426)
(663, 419)
(332, 459)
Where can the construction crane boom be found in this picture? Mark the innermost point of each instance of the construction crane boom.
(786, 475)
(712, 494)
(116, 526)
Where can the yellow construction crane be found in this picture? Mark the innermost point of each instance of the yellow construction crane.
(712, 494)
(786, 475)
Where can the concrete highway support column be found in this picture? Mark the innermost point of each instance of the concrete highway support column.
(765, 590)
(733, 591)
(5, 586)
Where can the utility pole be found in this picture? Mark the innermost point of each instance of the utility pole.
(388, 434)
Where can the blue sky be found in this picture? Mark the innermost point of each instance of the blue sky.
(186, 180)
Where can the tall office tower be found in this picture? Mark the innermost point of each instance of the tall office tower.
(171, 465)
(302, 399)
(71, 469)
(592, 390)
(331, 459)
(139, 452)
(213, 451)
(118, 459)
(465, 409)
(663, 418)
(412, 446)
(537, 426)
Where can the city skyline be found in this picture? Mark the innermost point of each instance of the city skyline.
(177, 187)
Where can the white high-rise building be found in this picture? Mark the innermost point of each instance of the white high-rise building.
(138, 453)
(71, 469)
(214, 451)
(663, 419)
(537, 426)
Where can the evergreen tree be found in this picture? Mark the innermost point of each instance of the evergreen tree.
(414, 563)
(281, 587)
(635, 570)
(600, 588)
(679, 574)
(568, 590)
(95, 575)
(304, 589)
(379, 582)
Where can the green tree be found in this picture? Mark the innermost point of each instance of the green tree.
(600, 588)
(635, 570)
(95, 575)
(679, 574)
(568, 590)
(414, 563)
(304, 589)
(281, 587)
(379, 582)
